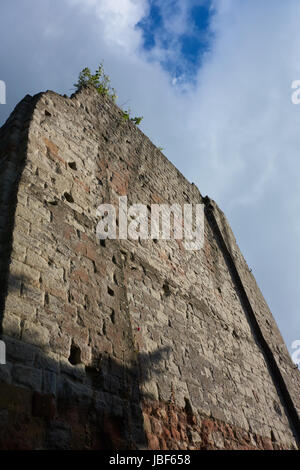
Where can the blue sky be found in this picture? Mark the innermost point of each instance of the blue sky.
(190, 44)
(213, 82)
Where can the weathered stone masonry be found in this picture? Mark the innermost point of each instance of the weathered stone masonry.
(124, 344)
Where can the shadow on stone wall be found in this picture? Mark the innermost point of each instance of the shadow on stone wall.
(47, 403)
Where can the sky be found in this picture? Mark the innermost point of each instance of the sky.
(212, 79)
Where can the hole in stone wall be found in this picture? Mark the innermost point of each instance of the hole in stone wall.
(166, 289)
(68, 197)
(112, 316)
(57, 169)
(110, 291)
(102, 243)
(188, 407)
(115, 279)
(86, 302)
(47, 113)
(72, 165)
(235, 334)
(75, 355)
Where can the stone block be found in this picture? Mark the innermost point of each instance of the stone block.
(35, 334)
(19, 352)
(28, 377)
(49, 382)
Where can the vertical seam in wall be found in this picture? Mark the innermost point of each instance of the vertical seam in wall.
(273, 367)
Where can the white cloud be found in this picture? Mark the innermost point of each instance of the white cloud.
(118, 19)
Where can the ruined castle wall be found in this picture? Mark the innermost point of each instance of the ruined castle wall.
(122, 343)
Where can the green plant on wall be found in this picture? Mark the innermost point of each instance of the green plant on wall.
(126, 117)
(137, 120)
(99, 80)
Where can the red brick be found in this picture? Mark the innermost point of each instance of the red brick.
(84, 186)
(153, 442)
(267, 443)
(68, 232)
(80, 275)
(175, 433)
(80, 248)
(91, 253)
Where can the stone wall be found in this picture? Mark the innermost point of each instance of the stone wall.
(122, 343)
